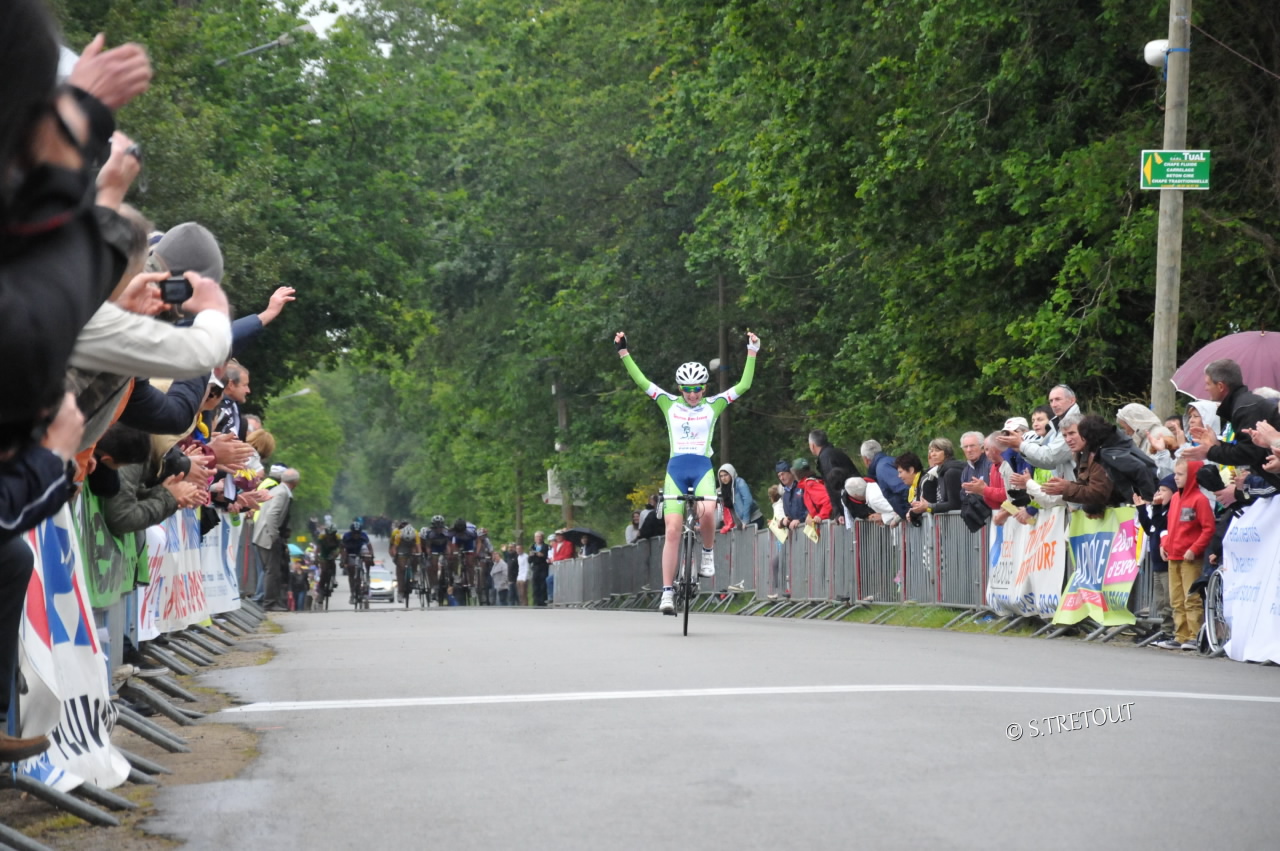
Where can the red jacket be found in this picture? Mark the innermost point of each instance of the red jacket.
(562, 550)
(1190, 519)
(816, 500)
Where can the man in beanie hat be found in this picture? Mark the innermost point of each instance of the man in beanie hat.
(792, 495)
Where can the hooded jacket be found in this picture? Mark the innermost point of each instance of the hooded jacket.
(745, 510)
(1141, 420)
(1190, 520)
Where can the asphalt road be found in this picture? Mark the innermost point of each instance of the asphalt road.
(568, 729)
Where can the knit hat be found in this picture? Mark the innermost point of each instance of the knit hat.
(782, 467)
(188, 247)
(1168, 482)
(856, 488)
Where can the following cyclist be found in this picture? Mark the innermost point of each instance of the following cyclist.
(691, 420)
(462, 539)
(354, 543)
(434, 543)
(404, 546)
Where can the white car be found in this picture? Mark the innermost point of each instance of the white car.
(382, 584)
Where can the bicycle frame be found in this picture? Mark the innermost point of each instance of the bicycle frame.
(686, 580)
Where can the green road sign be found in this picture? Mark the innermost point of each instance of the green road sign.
(1175, 169)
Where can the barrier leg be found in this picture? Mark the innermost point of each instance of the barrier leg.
(103, 798)
(12, 839)
(171, 688)
(186, 651)
(142, 762)
(138, 778)
(229, 626)
(213, 635)
(138, 692)
(62, 801)
(203, 643)
(167, 660)
(153, 733)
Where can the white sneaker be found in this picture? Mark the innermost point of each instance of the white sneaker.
(667, 605)
(708, 568)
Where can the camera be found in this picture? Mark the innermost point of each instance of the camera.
(176, 289)
(175, 463)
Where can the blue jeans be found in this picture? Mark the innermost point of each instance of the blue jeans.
(261, 593)
(299, 600)
(551, 588)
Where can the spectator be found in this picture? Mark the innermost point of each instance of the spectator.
(1174, 425)
(1160, 441)
(1041, 417)
(977, 471)
(562, 549)
(864, 500)
(539, 561)
(1190, 529)
(522, 575)
(299, 585)
(1243, 411)
(987, 483)
(1200, 413)
(745, 511)
(498, 575)
(779, 521)
(724, 492)
(1137, 421)
(1050, 452)
(792, 496)
(632, 533)
(651, 524)
(270, 538)
(882, 471)
(1092, 488)
(940, 486)
(1154, 519)
(227, 417)
(814, 492)
(911, 472)
(834, 465)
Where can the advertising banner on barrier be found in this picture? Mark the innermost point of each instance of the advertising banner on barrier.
(113, 566)
(1251, 583)
(217, 566)
(67, 695)
(175, 598)
(1105, 556)
(1027, 564)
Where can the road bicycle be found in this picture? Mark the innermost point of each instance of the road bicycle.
(417, 573)
(1216, 628)
(359, 574)
(690, 558)
(324, 590)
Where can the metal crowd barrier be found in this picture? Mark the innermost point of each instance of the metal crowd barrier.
(938, 562)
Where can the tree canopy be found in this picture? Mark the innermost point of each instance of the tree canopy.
(928, 209)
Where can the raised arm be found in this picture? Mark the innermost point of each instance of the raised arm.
(620, 342)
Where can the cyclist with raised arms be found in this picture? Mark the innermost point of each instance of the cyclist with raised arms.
(691, 420)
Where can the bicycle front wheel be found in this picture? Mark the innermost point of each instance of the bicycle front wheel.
(688, 575)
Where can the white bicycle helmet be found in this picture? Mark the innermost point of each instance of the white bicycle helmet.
(692, 373)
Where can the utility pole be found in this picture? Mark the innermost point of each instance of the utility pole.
(1164, 342)
(723, 370)
(562, 428)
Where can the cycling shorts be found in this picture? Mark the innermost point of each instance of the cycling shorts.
(684, 472)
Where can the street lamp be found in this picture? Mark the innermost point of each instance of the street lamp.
(286, 38)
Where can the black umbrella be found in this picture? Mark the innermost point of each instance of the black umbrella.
(580, 536)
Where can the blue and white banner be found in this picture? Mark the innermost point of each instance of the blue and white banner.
(1251, 583)
(65, 669)
(1026, 565)
(218, 566)
(175, 598)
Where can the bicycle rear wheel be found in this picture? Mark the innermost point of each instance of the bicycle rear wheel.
(1217, 629)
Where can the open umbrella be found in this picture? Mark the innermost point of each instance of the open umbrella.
(295, 550)
(583, 537)
(1257, 352)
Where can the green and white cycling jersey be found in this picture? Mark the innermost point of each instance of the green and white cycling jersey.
(690, 428)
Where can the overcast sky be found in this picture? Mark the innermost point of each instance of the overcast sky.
(324, 20)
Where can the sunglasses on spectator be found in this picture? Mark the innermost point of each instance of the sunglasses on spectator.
(692, 388)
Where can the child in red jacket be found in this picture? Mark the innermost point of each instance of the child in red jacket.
(1190, 530)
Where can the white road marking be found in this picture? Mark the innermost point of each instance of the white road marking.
(583, 696)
